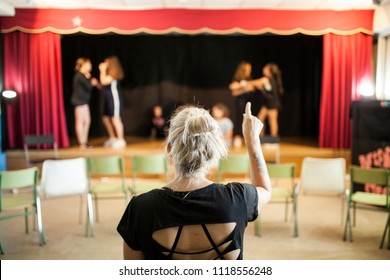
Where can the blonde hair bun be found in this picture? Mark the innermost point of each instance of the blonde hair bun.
(194, 140)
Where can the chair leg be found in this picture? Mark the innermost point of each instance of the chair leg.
(348, 223)
(258, 226)
(387, 229)
(42, 240)
(89, 227)
(342, 210)
(26, 219)
(295, 214)
(354, 213)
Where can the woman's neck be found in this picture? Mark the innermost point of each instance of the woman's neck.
(189, 183)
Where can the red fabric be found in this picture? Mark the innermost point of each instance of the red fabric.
(159, 21)
(347, 62)
(33, 68)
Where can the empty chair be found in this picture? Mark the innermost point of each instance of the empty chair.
(284, 190)
(324, 176)
(68, 177)
(237, 164)
(39, 141)
(150, 165)
(368, 200)
(25, 201)
(106, 176)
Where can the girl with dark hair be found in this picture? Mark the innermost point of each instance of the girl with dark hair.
(83, 83)
(272, 88)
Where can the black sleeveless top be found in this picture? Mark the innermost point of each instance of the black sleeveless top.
(164, 208)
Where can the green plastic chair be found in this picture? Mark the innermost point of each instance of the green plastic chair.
(366, 200)
(106, 175)
(282, 194)
(237, 164)
(150, 165)
(18, 193)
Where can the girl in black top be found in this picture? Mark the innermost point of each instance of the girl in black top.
(272, 89)
(241, 88)
(82, 89)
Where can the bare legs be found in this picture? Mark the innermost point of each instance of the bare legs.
(109, 127)
(114, 127)
(82, 124)
(272, 115)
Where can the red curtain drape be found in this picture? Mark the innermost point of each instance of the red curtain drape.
(33, 68)
(347, 65)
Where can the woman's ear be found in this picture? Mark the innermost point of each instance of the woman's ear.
(169, 147)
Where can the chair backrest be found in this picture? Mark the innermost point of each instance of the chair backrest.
(18, 179)
(64, 177)
(149, 164)
(37, 141)
(375, 176)
(106, 165)
(34, 140)
(234, 164)
(281, 170)
(323, 175)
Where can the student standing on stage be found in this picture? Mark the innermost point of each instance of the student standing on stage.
(111, 73)
(83, 84)
(272, 89)
(242, 90)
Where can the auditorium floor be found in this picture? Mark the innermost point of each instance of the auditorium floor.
(319, 217)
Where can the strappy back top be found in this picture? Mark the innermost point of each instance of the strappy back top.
(207, 223)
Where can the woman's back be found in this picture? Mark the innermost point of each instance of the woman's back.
(207, 223)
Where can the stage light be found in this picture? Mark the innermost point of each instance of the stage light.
(9, 94)
(365, 88)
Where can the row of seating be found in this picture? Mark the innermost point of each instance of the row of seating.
(91, 178)
(321, 176)
(87, 177)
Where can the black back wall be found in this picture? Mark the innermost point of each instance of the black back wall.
(177, 69)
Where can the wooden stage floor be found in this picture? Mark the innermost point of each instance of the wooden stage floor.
(291, 150)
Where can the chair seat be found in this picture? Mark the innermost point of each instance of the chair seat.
(369, 198)
(107, 187)
(280, 192)
(16, 203)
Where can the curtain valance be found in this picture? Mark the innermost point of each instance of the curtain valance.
(187, 21)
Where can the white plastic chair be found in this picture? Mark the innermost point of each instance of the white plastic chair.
(67, 177)
(324, 176)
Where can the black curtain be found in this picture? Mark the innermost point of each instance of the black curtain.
(175, 69)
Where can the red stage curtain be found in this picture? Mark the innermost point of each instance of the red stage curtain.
(33, 68)
(189, 21)
(347, 63)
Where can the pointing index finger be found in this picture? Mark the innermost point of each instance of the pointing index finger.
(248, 109)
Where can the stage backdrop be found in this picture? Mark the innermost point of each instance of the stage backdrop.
(201, 84)
(196, 69)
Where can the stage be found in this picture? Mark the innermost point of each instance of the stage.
(292, 150)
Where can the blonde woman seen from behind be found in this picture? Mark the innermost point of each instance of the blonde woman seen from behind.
(193, 217)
